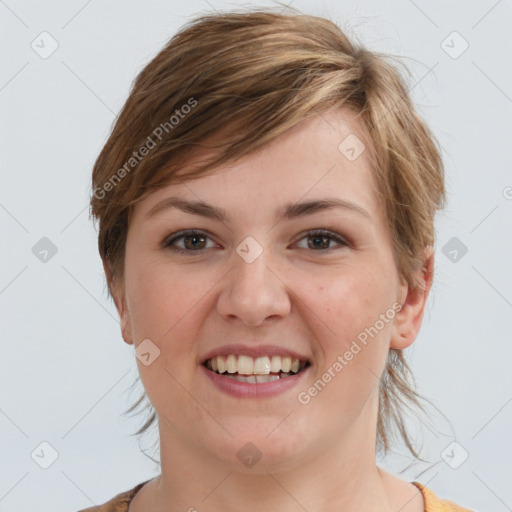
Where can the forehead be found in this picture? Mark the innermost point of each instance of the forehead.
(326, 155)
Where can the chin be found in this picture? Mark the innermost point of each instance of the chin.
(257, 449)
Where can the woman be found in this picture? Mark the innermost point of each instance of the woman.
(266, 205)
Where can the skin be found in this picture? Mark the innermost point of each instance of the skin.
(316, 457)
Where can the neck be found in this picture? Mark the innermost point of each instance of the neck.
(338, 473)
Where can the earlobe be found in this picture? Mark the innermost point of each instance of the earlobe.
(408, 320)
(126, 332)
(118, 295)
(126, 328)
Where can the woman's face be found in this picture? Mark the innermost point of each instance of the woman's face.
(257, 285)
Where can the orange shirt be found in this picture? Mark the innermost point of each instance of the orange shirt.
(435, 504)
(121, 502)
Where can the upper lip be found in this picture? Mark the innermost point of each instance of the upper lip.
(252, 351)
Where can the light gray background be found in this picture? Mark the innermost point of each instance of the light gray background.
(65, 372)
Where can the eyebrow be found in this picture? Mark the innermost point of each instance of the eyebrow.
(288, 211)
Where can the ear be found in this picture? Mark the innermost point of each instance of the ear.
(118, 294)
(408, 320)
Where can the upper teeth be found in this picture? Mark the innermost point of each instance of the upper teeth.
(247, 365)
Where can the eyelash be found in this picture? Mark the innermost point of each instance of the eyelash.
(167, 243)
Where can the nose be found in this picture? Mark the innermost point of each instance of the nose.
(253, 292)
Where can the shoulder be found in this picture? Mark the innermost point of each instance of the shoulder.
(435, 504)
(118, 503)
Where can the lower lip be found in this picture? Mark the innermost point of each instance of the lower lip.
(258, 390)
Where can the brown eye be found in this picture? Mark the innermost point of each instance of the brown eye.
(320, 240)
(193, 241)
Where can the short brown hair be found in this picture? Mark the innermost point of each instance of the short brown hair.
(252, 75)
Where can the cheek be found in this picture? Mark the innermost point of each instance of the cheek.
(353, 341)
(165, 308)
(349, 302)
(352, 352)
(168, 306)
(161, 297)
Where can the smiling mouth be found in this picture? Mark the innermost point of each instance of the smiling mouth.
(255, 370)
